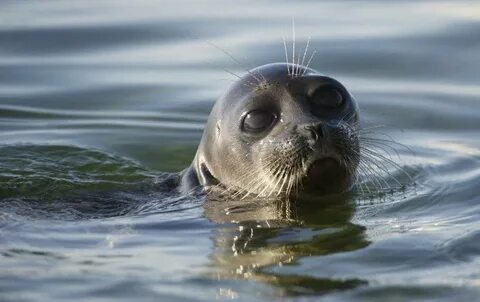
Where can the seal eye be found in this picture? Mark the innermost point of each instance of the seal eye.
(329, 97)
(258, 120)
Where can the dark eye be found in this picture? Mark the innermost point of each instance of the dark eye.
(258, 120)
(329, 97)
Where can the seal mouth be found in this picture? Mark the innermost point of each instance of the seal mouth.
(325, 175)
(320, 166)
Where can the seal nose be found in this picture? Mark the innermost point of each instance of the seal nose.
(315, 131)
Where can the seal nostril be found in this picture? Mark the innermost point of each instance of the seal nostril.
(316, 132)
(312, 132)
(320, 131)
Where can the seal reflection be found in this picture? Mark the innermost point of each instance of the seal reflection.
(256, 236)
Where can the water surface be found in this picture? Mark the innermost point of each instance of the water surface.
(101, 101)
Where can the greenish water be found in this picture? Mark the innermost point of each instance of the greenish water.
(101, 102)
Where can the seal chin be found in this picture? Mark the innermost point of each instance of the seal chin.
(326, 176)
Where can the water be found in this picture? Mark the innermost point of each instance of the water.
(99, 101)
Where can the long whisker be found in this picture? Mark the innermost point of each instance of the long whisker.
(248, 83)
(293, 46)
(286, 56)
(305, 50)
(310, 60)
(235, 60)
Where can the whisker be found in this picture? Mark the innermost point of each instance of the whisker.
(235, 60)
(305, 50)
(310, 60)
(286, 56)
(293, 46)
(248, 83)
(389, 161)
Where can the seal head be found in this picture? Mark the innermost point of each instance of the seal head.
(281, 129)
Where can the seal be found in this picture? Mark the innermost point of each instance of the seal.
(282, 129)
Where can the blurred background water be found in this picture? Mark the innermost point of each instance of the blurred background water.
(100, 99)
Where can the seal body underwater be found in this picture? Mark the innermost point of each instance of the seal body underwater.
(281, 129)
